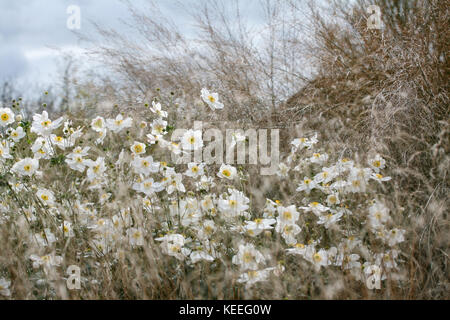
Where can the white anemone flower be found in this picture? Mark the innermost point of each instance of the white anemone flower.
(135, 236)
(43, 126)
(248, 257)
(46, 196)
(318, 258)
(148, 186)
(378, 215)
(17, 134)
(96, 168)
(192, 140)
(379, 177)
(119, 123)
(98, 124)
(156, 108)
(318, 158)
(6, 117)
(26, 167)
(211, 99)
(145, 165)
(4, 150)
(201, 255)
(42, 149)
(158, 127)
(227, 172)
(255, 227)
(377, 163)
(330, 219)
(138, 148)
(306, 185)
(288, 215)
(4, 287)
(195, 170)
(46, 261)
(288, 231)
(316, 208)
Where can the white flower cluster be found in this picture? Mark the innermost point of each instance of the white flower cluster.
(194, 214)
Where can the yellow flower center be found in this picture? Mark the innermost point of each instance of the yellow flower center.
(98, 123)
(317, 258)
(208, 229)
(27, 167)
(137, 235)
(226, 173)
(147, 184)
(44, 197)
(211, 98)
(138, 148)
(5, 117)
(46, 123)
(287, 215)
(248, 257)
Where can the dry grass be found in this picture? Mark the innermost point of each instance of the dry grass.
(370, 91)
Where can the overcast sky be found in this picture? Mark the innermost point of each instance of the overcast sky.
(33, 31)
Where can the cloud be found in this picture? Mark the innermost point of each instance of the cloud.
(13, 63)
(31, 30)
